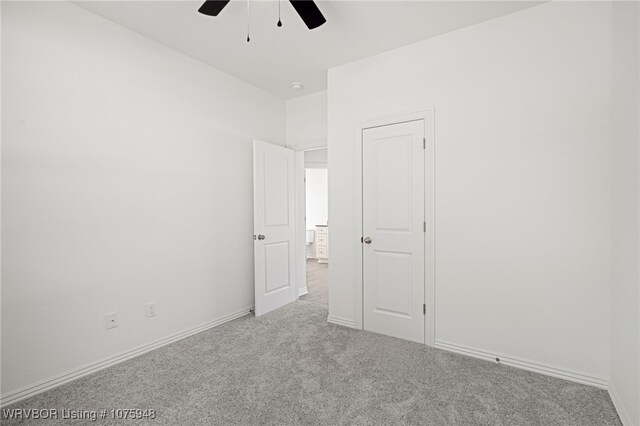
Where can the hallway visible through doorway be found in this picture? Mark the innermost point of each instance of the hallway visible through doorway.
(317, 283)
(317, 230)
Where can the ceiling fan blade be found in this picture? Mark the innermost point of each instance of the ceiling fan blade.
(309, 13)
(213, 7)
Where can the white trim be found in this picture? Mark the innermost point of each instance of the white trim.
(312, 165)
(427, 115)
(525, 364)
(300, 246)
(332, 319)
(55, 381)
(624, 415)
(430, 238)
(308, 145)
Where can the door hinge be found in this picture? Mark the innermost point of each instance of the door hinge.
(424, 226)
(424, 143)
(424, 309)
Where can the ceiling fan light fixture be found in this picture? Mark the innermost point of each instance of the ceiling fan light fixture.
(309, 13)
(306, 9)
(212, 7)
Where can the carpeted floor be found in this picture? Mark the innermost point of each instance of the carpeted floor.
(292, 367)
(317, 283)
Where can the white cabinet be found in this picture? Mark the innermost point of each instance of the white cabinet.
(322, 244)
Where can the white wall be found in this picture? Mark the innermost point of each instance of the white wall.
(126, 178)
(522, 204)
(316, 158)
(306, 128)
(317, 209)
(625, 302)
(317, 196)
(307, 121)
(316, 192)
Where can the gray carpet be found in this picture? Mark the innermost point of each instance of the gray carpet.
(317, 283)
(292, 367)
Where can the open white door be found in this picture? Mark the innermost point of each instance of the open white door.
(274, 226)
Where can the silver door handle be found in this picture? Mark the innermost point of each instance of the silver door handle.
(367, 240)
(261, 237)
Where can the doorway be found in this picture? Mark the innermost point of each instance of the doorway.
(316, 227)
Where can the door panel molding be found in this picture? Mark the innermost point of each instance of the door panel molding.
(429, 211)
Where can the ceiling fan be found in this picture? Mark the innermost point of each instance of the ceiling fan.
(307, 10)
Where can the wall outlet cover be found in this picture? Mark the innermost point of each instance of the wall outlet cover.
(150, 309)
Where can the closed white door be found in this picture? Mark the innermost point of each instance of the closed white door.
(273, 224)
(393, 167)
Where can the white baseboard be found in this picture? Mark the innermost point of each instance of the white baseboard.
(624, 415)
(302, 291)
(55, 381)
(536, 367)
(341, 321)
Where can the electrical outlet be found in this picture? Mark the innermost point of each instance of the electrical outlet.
(151, 309)
(111, 320)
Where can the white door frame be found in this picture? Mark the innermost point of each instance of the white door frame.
(429, 185)
(300, 234)
(300, 211)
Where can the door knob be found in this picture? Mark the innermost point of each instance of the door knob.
(367, 240)
(261, 237)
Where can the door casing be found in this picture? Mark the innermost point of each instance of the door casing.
(300, 195)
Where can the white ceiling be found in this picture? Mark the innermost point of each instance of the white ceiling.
(276, 57)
